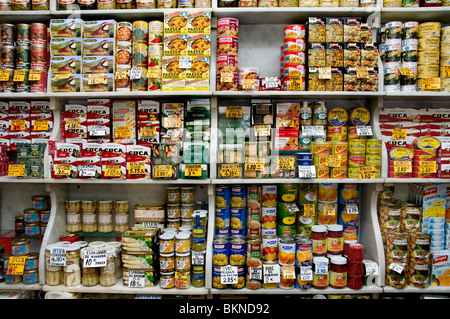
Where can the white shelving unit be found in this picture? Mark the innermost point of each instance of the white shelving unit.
(260, 38)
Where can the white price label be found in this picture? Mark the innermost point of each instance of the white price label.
(306, 171)
(97, 130)
(135, 73)
(322, 268)
(371, 268)
(271, 274)
(87, 170)
(271, 82)
(94, 258)
(313, 130)
(255, 273)
(57, 256)
(185, 62)
(291, 207)
(229, 275)
(198, 258)
(397, 267)
(136, 279)
(147, 224)
(306, 273)
(352, 209)
(364, 130)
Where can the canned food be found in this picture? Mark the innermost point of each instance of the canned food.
(286, 250)
(429, 43)
(227, 27)
(254, 251)
(38, 57)
(429, 29)
(227, 63)
(140, 32)
(38, 34)
(8, 57)
(23, 34)
(397, 247)
(227, 45)
(270, 247)
(238, 218)
(8, 34)
(295, 31)
(223, 217)
(220, 252)
(294, 57)
(237, 251)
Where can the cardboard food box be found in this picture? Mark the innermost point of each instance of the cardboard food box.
(124, 121)
(66, 28)
(65, 64)
(99, 29)
(66, 46)
(98, 64)
(98, 46)
(65, 83)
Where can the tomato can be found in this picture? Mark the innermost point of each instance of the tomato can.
(38, 34)
(270, 247)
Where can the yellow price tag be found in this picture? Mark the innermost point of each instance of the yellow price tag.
(402, 166)
(254, 163)
(122, 131)
(62, 76)
(296, 84)
(427, 167)
(325, 73)
(248, 84)
(309, 209)
(286, 163)
(288, 272)
(366, 172)
(405, 71)
(4, 75)
(40, 125)
(329, 209)
(113, 170)
(73, 124)
(226, 77)
(148, 131)
(121, 74)
(16, 265)
(234, 112)
(135, 168)
(163, 171)
(230, 170)
(398, 134)
(18, 125)
(334, 160)
(172, 121)
(180, 278)
(63, 169)
(96, 78)
(19, 75)
(431, 83)
(153, 73)
(193, 170)
(446, 71)
(262, 130)
(16, 170)
(34, 75)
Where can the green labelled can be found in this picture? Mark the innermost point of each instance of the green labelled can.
(286, 215)
(23, 86)
(288, 230)
(23, 34)
(287, 193)
(306, 215)
(253, 196)
(23, 58)
(304, 230)
(307, 193)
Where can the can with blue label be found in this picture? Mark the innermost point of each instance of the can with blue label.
(222, 232)
(238, 196)
(238, 218)
(237, 251)
(238, 231)
(223, 196)
(223, 216)
(216, 278)
(221, 252)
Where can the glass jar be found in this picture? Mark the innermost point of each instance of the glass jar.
(167, 243)
(198, 276)
(146, 4)
(183, 261)
(319, 240)
(247, 3)
(320, 277)
(268, 3)
(122, 207)
(167, 280)
(73, 222)
(18, 5)
(88, 206)
(367, 3)
(173, 211)
(306, 3)
(182, 242)
(227, 3)
(203, 3)
(423, 3)
(89, 276)
(89, 222)
(73, 206)
(349, 3)
(19, 224)
(73, 255)
(118, 247)
(335, 239)
(356, 253)
(54, 275)
(121, 223)
(186, 3)
(106, 4)
(187, 195)
(173, 195)
(346, 246)
(20, 247)
(166, 262)
(72, 275)
(354, 269)
(354, 282)
(108, 276)
(166, 4)
(338, 272)
(126, 4)
(174, 223)
(40, 202)
(105, 223)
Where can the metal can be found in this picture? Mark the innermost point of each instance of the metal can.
(223, 196)
(8, 34)
(237, 251)
(397, 247)
(238, 196)
(270, 247)
(223, 217)
(303, 251)
(23, 57)
(268, 217)
(253, 196)
(269, 195)
(238, 218)
(38, 34)
(295, 31)
(8, 57)
(411, 217)
(124, 33)
(286, 250)
(254, 251)
(221, 252)
(140, 32)
(32, 229)
(38, 57)
(420, 246)
(41, 84)
(140, 55)
(23, 34)
(227, 27)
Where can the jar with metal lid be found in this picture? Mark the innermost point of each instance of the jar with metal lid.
(54, 275)
(31, 215)
(187, 194)
(32, 261)
(126, 4)
(106, 4)
(32, 229)
(174, 223)
(338, 272)
(319, 240)
(121, 223)
(73, 206)
(166, 4)
(105, 223)
(19, 224)
(335, 239)
(182, 242)
(89, 222)
(122, 207)
(40, 202)
(173, 211)
(40, 5)
(167, 280)
(182, 279)
(13, 279)
(18, 5)
(166, 262)
(30, 277)
(167, 243)
(73, 222)
(88, 206)
(182, 261)
(20, 247)
(108, 276)
(320, 272)
(72, 275)
(44, 216)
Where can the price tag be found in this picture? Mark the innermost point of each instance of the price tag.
(296, 84)
(148, 131)
(97, 130)
(135, 168)
(4, 75)
(136, 279)
(254, 163)
(122, 132)
(62, 76)
(405, 71)
(226, 77)
(313, 130)
(366, 172)
(113, 170)
(286, 163)
(87, 170)
(364, 130)
(352, 209)
(255, 273)
(121, 74)
(248, 84)
(402, 166)
(271, 82)
(228, 275)
(398, 134)
(362, 72)
(63, 169)
(73, 124)
(172, 121)
(16, 265)
(163, 171)
(230, 170)
(94, 258)
(306, 171)
(185, 62)
(334, 160)
(40, 125)
(198, 258)
(431, 83)
(96, 78)
(427, 167)
(397, 267)
(19, 76)
(18, 125)
(371, 268)
(271, 274)
(309, 210)
(329, 209)
(288, 272)
(193, 170)
(57, 256)
(16, 170)
(34, 75)
(306, 273)
(135, 73)
(234, 112)
(291, 207)
(325, 73)
(153, 73)
(322, 268)
(180, 279)
(446, 71)
(262, 130)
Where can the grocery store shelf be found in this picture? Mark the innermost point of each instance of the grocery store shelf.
(26, 95)
(296, 180)
(298, 94)
(417, 95)
(23, 16)
(429, 289)
(20, 286)
(420, 14)
(141, 94)
(416, 180)
(295, 291)
(6, 179)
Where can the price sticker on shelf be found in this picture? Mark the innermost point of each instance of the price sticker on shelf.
(94, 258)
(4, 75)
(192, 170)
(57, 256)
(313, 130)
(163, 171)
(329, 209)
(309, 210)
(399, 134)
(96, 78)
(147, 131)
(427, 167)
(87, 170)
(19, 75)
(306, 273)
(286, 163)
(122, 131)
(271, 82)
(226, 77)
(446, 71)
(63, 169)
(364, 131)
(325, 73)
(136, 168)
(288, 272)
(136, 278)
(366, 172)
(198, 258)
(371, 268)
(234, 112)
(229, 275)
(34, 75)
(262, 130)
(16, 170)
(306, 171)
(73, 124)
(405, 71)
(181, 279)
(248, 84)
(296, 84)
(271, 274)
(230, 170)
(113, 170)
(431, 83)
(255, 273)
(16, 265)
(40, 125)
(18, 125)
(352, 209)
(135, 73)
(402, 166)
(172, 121)
(254, 163)
(185, 62)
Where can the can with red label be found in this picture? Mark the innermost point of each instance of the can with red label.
(295, 31)
(294, 45)
(227, 27)
(294, 57)
(227, 63)
(227, 45)
(294, 70)
(38, 34)
(38, 57)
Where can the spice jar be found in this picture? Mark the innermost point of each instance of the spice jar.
(319, 240)
(320, 272)
(338, 272)
(335, 238)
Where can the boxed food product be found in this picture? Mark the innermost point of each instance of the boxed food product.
(352, 29)
(65, 83)
(199, 21)
(171, 68)
(175, 44)
(198, 44)
(335, 54)
(98, 46)
(98, 64)
(89, 167)
(41, 119)
(197, 84)
(98, 82)
(65, 64)
(66, 46)
(440, 268)
(66, 28)
(200, 68)
(286, 140)
(175, 21)
(352, 54)
(124, 121)
(316, 30)
(138, 159)
(173, 84)
(234, 130)
(113, 161)
(99, 29)
(334, 28)
(99, 120)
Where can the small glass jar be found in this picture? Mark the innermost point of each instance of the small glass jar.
(198, 276)
(173, 195)
(174, 223)
(106, 4)
(354, 282)
(227, 3)
(40, 202)
(121, 223)
(20, 247)
(186, 222)
(200, 218)
(319, 240)
(118, 247)
(122, 207)
(13, 279)
(338, 272)
(335, 239)
(105, 223)
(73, 222)
(167, 243)
(182, 242)
(346, 246)
(354, 269)
(32, 229)
(88, 206)
(72, 275)
(187, 195)
(320, 280)
(89, 276)
(19, 224)
(105, 206)
(356, 253)
(167, 280)
(166, 4)
(73, 206)
(203, 3)
(183, 261)
(73, 255)
(108, 276)
(89, 222)
(186, 210)
(166, 263)
(30, 277)
(173, 211)
(32, 261)
(54, 275)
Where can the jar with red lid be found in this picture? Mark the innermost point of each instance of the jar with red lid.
(354, 269)
(320, 272)
(335, 239)
(338, 272)
(319, 240)
(354, 282)
(346, 246)
(356, 253)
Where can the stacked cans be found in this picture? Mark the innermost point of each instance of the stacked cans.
(139, 57)
(429, 51)
(227, 54)
(293, 56)
(444, 58)
(155, 53)
(24, 47)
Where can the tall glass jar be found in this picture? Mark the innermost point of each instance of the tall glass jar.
(108, 272)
